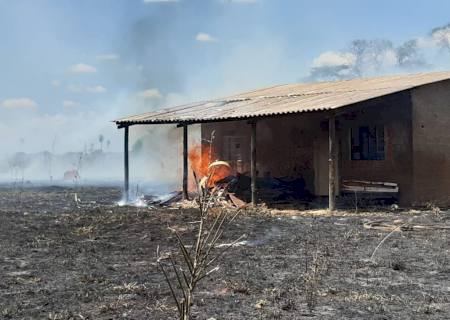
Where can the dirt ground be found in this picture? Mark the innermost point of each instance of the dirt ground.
(91, 259)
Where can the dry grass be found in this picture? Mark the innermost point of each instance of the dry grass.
(85, 231)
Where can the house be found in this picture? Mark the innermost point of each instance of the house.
(392, 131)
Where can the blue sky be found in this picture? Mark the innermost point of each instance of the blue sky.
(68, 67)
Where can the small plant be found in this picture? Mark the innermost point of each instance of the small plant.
(316, 264)
(6, 312)
(191, 264)
(312, 280)
(433, 208)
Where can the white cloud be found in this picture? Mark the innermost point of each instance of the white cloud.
(241, 1)
(19, 103)
(150, 94)
(158, 1)
(96, 89)
(68, 104)
(82, 68)
(56, 83)
(333, 59)
(77, 88)
(108, 57)
(204, 37)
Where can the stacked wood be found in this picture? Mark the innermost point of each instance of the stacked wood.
(362, 186)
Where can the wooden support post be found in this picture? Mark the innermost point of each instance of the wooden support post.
(253, 162)
(332, 163)
(126, 165)
(185, 162)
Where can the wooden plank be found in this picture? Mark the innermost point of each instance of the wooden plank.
(370, 182)
(369, 189)
(236, 201)
(365, 186)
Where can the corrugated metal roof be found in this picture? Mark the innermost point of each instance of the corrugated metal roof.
(285, 99)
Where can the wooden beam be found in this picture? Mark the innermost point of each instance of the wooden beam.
(185, 162)
(332, 163)
(123, 125)
(182, 124)
(126, 165)
(253, 162)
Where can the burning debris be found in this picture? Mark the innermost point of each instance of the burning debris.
(219, 180)
(210, 177)
(153, 201)
(218, 173)
(210, 184)
(214, 176)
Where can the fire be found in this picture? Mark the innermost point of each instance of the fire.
(199, 160)
(202, 163)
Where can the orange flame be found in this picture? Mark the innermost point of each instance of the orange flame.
(200, 159)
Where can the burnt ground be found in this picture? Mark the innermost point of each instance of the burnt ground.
(60, 259)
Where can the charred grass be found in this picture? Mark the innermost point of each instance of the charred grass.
(63, 259)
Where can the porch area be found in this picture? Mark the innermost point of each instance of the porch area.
(321, 139)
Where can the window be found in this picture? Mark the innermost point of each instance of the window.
(367, 143)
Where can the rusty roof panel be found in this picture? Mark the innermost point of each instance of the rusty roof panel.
(284, 99)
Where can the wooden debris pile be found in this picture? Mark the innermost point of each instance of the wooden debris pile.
(217, 183)
(362, 186)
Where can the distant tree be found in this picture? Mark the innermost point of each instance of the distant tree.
(100, 139)
(18, 163)
(138, 146)
(108, 144)
(48, 162)
(22, 142)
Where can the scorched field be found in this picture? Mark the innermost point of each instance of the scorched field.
(84, 257)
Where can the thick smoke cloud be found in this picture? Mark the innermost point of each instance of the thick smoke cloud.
(370, 57)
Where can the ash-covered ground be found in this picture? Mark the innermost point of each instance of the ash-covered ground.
(91, 259)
